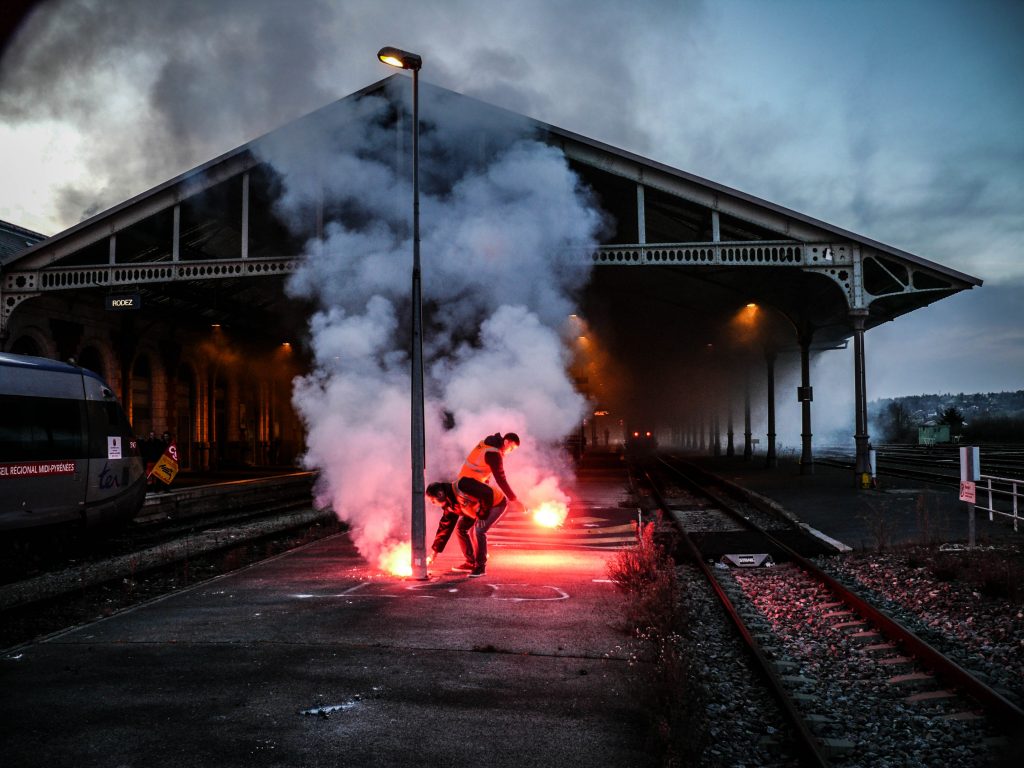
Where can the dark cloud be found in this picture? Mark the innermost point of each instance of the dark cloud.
(159, 87)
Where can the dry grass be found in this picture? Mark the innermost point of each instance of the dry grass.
(653, 614)
(995, 574)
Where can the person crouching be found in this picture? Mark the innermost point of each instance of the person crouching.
(461, 515)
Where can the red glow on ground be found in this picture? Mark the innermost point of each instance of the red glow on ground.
(397, 559)
(550, 514)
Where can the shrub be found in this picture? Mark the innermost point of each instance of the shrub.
(647, 576)
(653, 608)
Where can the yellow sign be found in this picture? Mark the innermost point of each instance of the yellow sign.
(167, 467)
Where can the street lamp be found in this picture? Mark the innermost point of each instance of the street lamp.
(395, 57)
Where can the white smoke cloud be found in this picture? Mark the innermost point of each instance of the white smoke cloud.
(499, 225)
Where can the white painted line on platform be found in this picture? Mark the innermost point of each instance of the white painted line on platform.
(826, 538)
(561, 594)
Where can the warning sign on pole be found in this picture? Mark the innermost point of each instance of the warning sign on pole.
(967, 491)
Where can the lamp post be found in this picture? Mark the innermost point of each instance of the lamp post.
(396, 57)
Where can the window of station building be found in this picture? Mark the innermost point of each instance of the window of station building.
(269, 234)
(735, 229)
(670, 219)
(211, 223)
(93, 254)
(149, 240)
(616, 198)
(26, 345)
(142, 396)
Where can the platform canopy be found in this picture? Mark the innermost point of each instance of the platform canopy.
(682, 253)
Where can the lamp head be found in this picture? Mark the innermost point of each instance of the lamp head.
(396, 57)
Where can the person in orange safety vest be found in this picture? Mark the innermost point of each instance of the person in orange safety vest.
(485, 461)
(460, 515)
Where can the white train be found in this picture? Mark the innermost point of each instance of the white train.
(67, 451)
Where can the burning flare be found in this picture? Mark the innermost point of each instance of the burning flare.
(397, 559)
(550, 514)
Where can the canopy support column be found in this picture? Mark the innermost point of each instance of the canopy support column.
(806, 395)
(748, 445)
(861, 436)
(771, 460)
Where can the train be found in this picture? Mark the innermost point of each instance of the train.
(641, 444)
(68, 454)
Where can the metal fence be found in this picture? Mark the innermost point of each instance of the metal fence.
(1003, 495)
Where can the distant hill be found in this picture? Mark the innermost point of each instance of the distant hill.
(992, 416)
(926, 409)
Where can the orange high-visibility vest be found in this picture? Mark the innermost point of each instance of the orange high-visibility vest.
(476, 463)
(470, 505)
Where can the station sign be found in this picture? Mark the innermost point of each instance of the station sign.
(120, 302)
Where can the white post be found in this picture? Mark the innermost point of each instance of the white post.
(970, 472)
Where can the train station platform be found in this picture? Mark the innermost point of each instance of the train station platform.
(899, 512)
(317, 658)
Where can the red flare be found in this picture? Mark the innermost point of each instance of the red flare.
(397, 559)
(550, 514)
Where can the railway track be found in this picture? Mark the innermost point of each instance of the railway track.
(178, 538)
(849, 678)
(934, 464)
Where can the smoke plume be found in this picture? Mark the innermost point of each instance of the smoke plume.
(501, 215)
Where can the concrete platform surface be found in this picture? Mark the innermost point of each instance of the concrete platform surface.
(317, 659)
(899, 512)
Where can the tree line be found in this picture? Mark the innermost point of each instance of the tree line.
(993, 417)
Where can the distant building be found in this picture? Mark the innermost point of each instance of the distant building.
(932, 434)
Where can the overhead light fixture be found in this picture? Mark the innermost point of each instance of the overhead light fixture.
(396, 57)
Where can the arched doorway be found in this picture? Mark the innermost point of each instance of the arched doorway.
(26, 345)
(142, 396)
(219, 422)
(185, 408)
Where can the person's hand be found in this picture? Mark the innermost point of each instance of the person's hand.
(432, 556)
(516, 506)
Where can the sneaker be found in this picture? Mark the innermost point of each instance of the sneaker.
(478, 571)
(464, 568)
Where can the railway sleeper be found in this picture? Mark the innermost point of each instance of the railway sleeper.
(965, 716)
(897, 661)
(930, 696)
(837, 614)
(820, 721)
(799, 680)
(880, 647)
(913, 680)
(850, 627)
(866, 636)
(837, 747)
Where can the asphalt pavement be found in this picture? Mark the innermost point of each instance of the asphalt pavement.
(316, 658)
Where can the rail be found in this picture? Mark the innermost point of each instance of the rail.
(995, 704)
(1000, 488)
